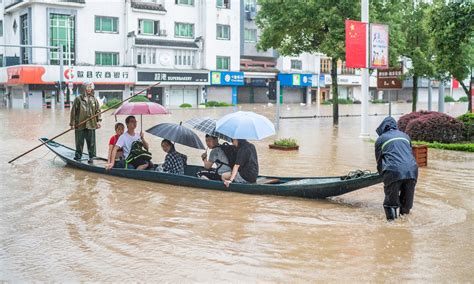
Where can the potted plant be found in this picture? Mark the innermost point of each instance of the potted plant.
(285, 144)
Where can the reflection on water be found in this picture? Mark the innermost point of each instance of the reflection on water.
(57, 223)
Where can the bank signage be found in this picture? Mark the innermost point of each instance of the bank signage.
(48, 74)
(227, 78)
(173, 77)
(295, 80)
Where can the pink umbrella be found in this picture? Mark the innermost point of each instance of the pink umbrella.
(141, 108)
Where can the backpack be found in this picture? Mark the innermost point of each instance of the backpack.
(137, 152)
(231, 153)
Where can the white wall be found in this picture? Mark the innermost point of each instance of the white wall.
(214, 47)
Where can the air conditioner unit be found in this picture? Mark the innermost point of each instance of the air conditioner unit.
(251, 15)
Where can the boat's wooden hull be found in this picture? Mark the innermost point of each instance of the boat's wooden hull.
(307, 187)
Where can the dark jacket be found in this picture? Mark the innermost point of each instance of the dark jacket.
(248, 161)
(393, 153)
(82, 109)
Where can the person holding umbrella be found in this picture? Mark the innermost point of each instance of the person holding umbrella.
(245, 169)
(240, 126)
(126, 142)
(84, 107)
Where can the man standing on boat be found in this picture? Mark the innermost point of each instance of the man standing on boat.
(397, 165)
(84, 107)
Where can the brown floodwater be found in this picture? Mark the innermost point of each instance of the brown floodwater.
(62, 224)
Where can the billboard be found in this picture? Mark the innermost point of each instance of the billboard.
(378, 46)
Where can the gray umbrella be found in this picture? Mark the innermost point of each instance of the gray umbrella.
(178, 134)
(207, 125)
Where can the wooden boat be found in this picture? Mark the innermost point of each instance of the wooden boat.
(306, 187)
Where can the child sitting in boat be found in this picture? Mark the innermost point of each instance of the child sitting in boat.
(118, 163)
(125, 142)
(175, 162)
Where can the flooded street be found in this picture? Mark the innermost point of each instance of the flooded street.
(62, 224)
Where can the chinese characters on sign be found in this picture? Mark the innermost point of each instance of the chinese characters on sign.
(227, 78)
(172, 77)
(389, 79)
(69, 74)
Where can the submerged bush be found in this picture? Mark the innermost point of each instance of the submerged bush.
(345, 101)
(404, 120)
(449, 99)
(436, 127)
(463, 99)
(468, 121)
(286, 142)
(139, 99)
(185, 105)
(378, 101)
(111, 103)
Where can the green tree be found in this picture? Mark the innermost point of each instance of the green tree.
(296, 26)
(451, 26)
(416, 40)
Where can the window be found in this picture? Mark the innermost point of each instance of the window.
(146, 56)
(107, 58)
(24, 39)
(184, 30)
(1, 28)
(1, 60)
(325, 65)
(224, 4)
(185, 2)
(296, 64)
(106, 24)
(223, 32)
(223, 63)
(250, 5)
(184, 58)
(250, 35)
(347, 70)
(62, 32)
(148, 27)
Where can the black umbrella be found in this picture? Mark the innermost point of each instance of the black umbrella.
(178, 134)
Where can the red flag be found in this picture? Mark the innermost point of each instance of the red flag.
(356, 44)
(455, 83)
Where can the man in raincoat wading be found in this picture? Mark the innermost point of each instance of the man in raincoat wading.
(397, 165)
(84, 107)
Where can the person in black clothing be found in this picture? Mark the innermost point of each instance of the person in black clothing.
(245, 169)
(397, 165)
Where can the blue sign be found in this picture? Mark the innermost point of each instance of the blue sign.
(227, 78)
(295, 80)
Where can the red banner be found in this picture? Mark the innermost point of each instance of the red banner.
(356, 44)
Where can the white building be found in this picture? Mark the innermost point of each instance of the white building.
(121, 45)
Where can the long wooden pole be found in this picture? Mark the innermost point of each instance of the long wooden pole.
(81, 123)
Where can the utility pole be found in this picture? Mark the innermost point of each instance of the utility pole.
(364, 133)
(441, 96)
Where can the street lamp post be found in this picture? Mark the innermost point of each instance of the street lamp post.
(364, 133)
